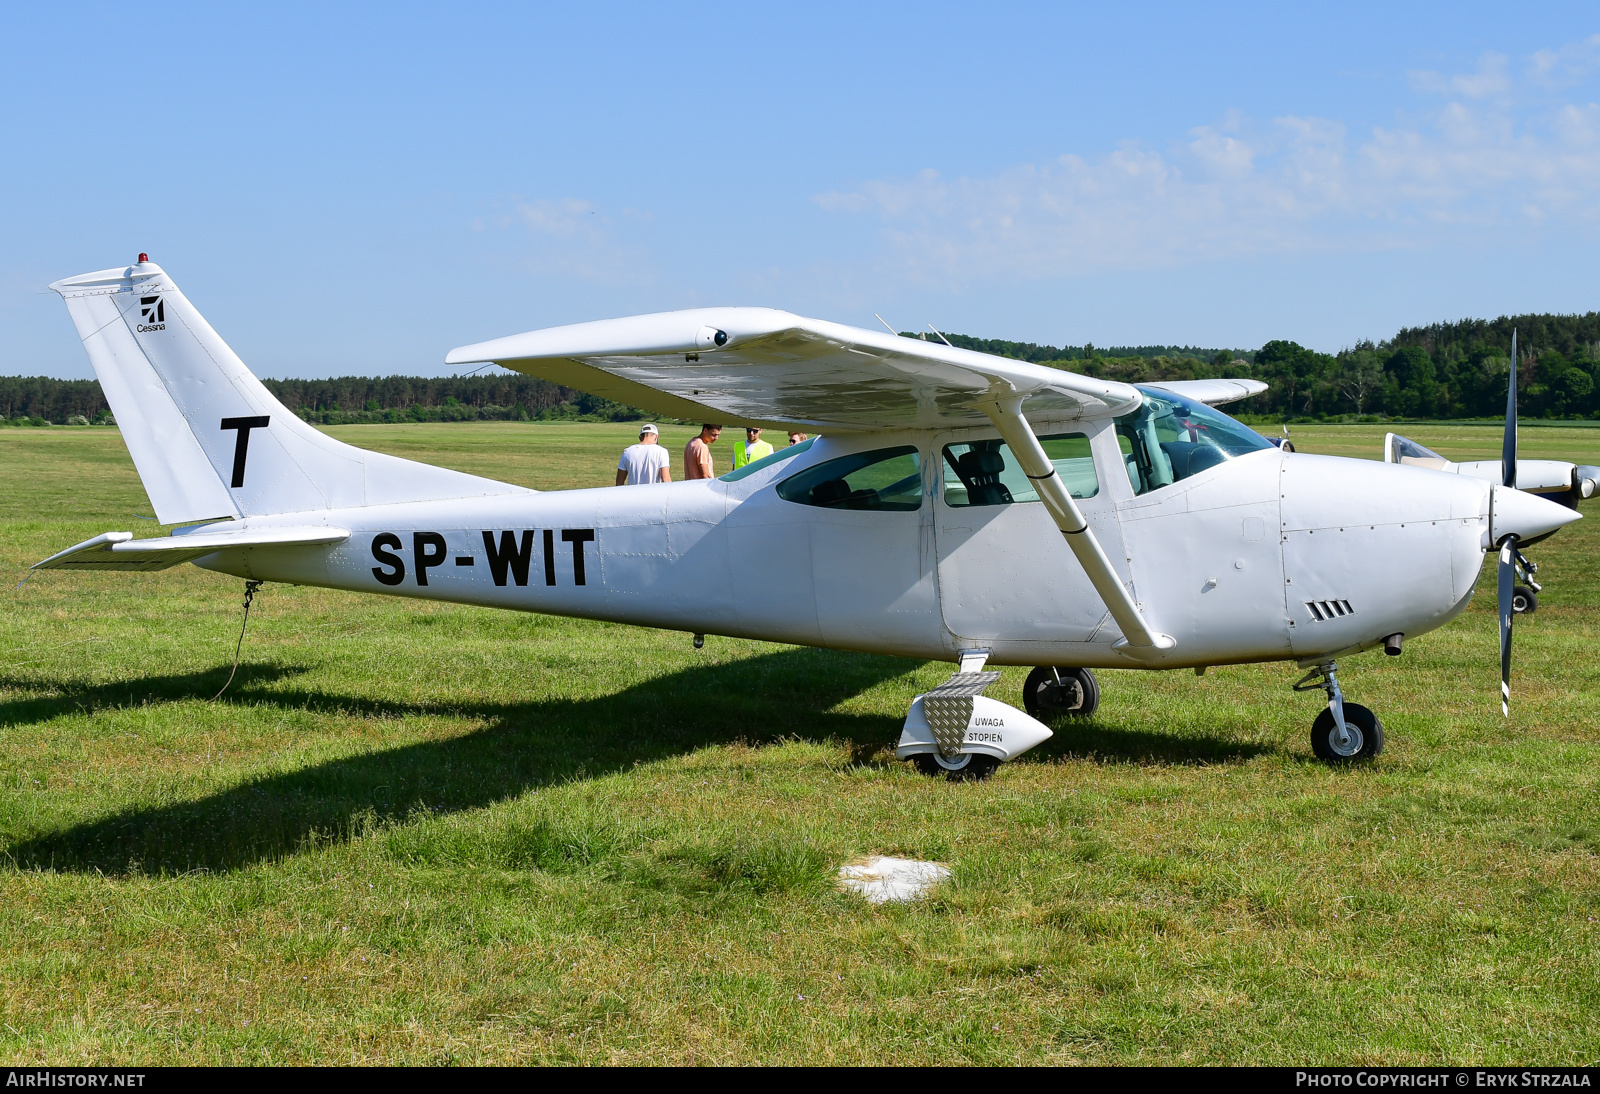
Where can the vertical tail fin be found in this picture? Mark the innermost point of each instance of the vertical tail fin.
(207, 438)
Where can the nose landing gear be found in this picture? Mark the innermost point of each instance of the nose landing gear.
(1525, 597)
(1343, 732)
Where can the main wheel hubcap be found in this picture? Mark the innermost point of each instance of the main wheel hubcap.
(1066, 696)
(1353, 743)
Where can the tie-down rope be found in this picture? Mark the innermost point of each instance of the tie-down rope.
(250, 588)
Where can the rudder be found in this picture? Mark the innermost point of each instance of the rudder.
(208, 439)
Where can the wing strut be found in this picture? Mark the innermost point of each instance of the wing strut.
(1139, 640)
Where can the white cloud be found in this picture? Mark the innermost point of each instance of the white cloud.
(575, 238)
(1496, 154)
(1491, 79)
(1566, 66)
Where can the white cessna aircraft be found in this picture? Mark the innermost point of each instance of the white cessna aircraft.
(960, 507)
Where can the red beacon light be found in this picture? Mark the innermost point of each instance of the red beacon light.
(143, 257)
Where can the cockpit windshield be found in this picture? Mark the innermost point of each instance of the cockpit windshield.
(1405, 450)
(1170, 438)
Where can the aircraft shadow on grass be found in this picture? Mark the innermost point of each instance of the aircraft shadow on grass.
(1096, 740)
(523, 746)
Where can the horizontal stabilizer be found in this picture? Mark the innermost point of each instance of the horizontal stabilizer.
(760, 366)
(1212, 392)
(120, 551)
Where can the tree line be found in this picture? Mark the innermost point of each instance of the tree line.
(1446, 370)
(349, 400)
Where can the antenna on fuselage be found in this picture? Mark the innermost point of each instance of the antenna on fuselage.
(886, 325)
(942, 338)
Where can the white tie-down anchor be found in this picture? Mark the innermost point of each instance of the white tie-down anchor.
(956, 721)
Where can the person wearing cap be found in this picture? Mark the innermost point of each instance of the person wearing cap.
(645, 462)
(753, 449)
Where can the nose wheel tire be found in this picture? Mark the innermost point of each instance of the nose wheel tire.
(967, 767)
(1050, 692)
(1524, 601)
(1366, 735)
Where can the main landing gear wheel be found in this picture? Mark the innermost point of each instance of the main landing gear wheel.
(1366, 735)
(1050, 692)
(1524, 601)
(967, 767)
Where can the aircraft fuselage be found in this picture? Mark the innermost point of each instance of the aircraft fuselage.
(1270, 556)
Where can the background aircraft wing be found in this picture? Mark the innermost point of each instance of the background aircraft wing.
(767, 367)
(1212, 392)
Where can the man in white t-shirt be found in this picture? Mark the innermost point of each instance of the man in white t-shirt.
(645, 462)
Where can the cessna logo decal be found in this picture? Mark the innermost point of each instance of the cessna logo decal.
(152, 314)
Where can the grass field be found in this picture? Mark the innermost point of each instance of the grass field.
(422, 833)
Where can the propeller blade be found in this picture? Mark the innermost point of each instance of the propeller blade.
(1508, 448)
(1508, 584)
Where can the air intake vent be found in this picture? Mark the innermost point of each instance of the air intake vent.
(1323, 610)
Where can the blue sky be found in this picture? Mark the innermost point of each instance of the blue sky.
(359, 189)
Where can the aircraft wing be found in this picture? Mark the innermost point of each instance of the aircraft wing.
(120, 551)
(1212, 392)
(761, 366)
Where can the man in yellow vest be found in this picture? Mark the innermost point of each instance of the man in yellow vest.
(752, 450)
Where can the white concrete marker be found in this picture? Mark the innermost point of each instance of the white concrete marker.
(883, 878)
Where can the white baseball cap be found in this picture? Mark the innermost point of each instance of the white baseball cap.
(649, 427)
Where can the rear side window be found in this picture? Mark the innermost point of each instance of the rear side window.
(987, 473)
(887, 479)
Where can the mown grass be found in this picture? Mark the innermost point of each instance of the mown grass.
(419, 832)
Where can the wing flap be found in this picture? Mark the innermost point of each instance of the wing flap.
(120, 551)
(769, 367)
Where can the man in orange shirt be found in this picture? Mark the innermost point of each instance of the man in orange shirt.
(697, 457)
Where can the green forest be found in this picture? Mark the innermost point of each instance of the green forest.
(1447, 370)
(347, 400)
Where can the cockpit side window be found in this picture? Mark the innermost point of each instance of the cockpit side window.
(1167, 439)
(987, 473)
(887, 479)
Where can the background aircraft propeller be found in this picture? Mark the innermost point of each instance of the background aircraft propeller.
(1508, 544)
(1508, 584)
